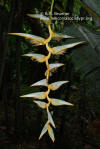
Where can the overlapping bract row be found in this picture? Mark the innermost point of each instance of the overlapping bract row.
(50, 68)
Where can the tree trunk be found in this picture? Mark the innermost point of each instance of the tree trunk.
(5, 43)
(4, 97)
(18, 106)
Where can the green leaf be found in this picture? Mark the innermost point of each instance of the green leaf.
(38, 95)
(58, 102)
(51, 133)
(44, 130)
(61, 49)
(87, 59)
(40, 83)
(57, 84)
(41, 104)
(50, 119)
(33, 39)
(41, 17)
(92, 7)
(98, 29)
(38, 57)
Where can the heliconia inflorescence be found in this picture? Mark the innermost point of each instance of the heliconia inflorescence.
(36, 40)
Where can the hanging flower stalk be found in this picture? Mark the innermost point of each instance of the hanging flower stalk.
(37, 41)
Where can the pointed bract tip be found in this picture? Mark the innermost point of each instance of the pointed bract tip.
(10, 33)
(62, 64)
(81, 42)
(14, 34)
(23, 55)
(32, 85)
(72, 105)
(72, 37)
(29, 15)
(21, 96)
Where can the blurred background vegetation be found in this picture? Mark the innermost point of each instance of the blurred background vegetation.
(20, 120)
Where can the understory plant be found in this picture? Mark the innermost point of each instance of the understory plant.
(38, 97)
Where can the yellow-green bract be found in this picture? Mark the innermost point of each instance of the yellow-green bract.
(51, 67)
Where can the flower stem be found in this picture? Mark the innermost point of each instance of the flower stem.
(51, 9)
